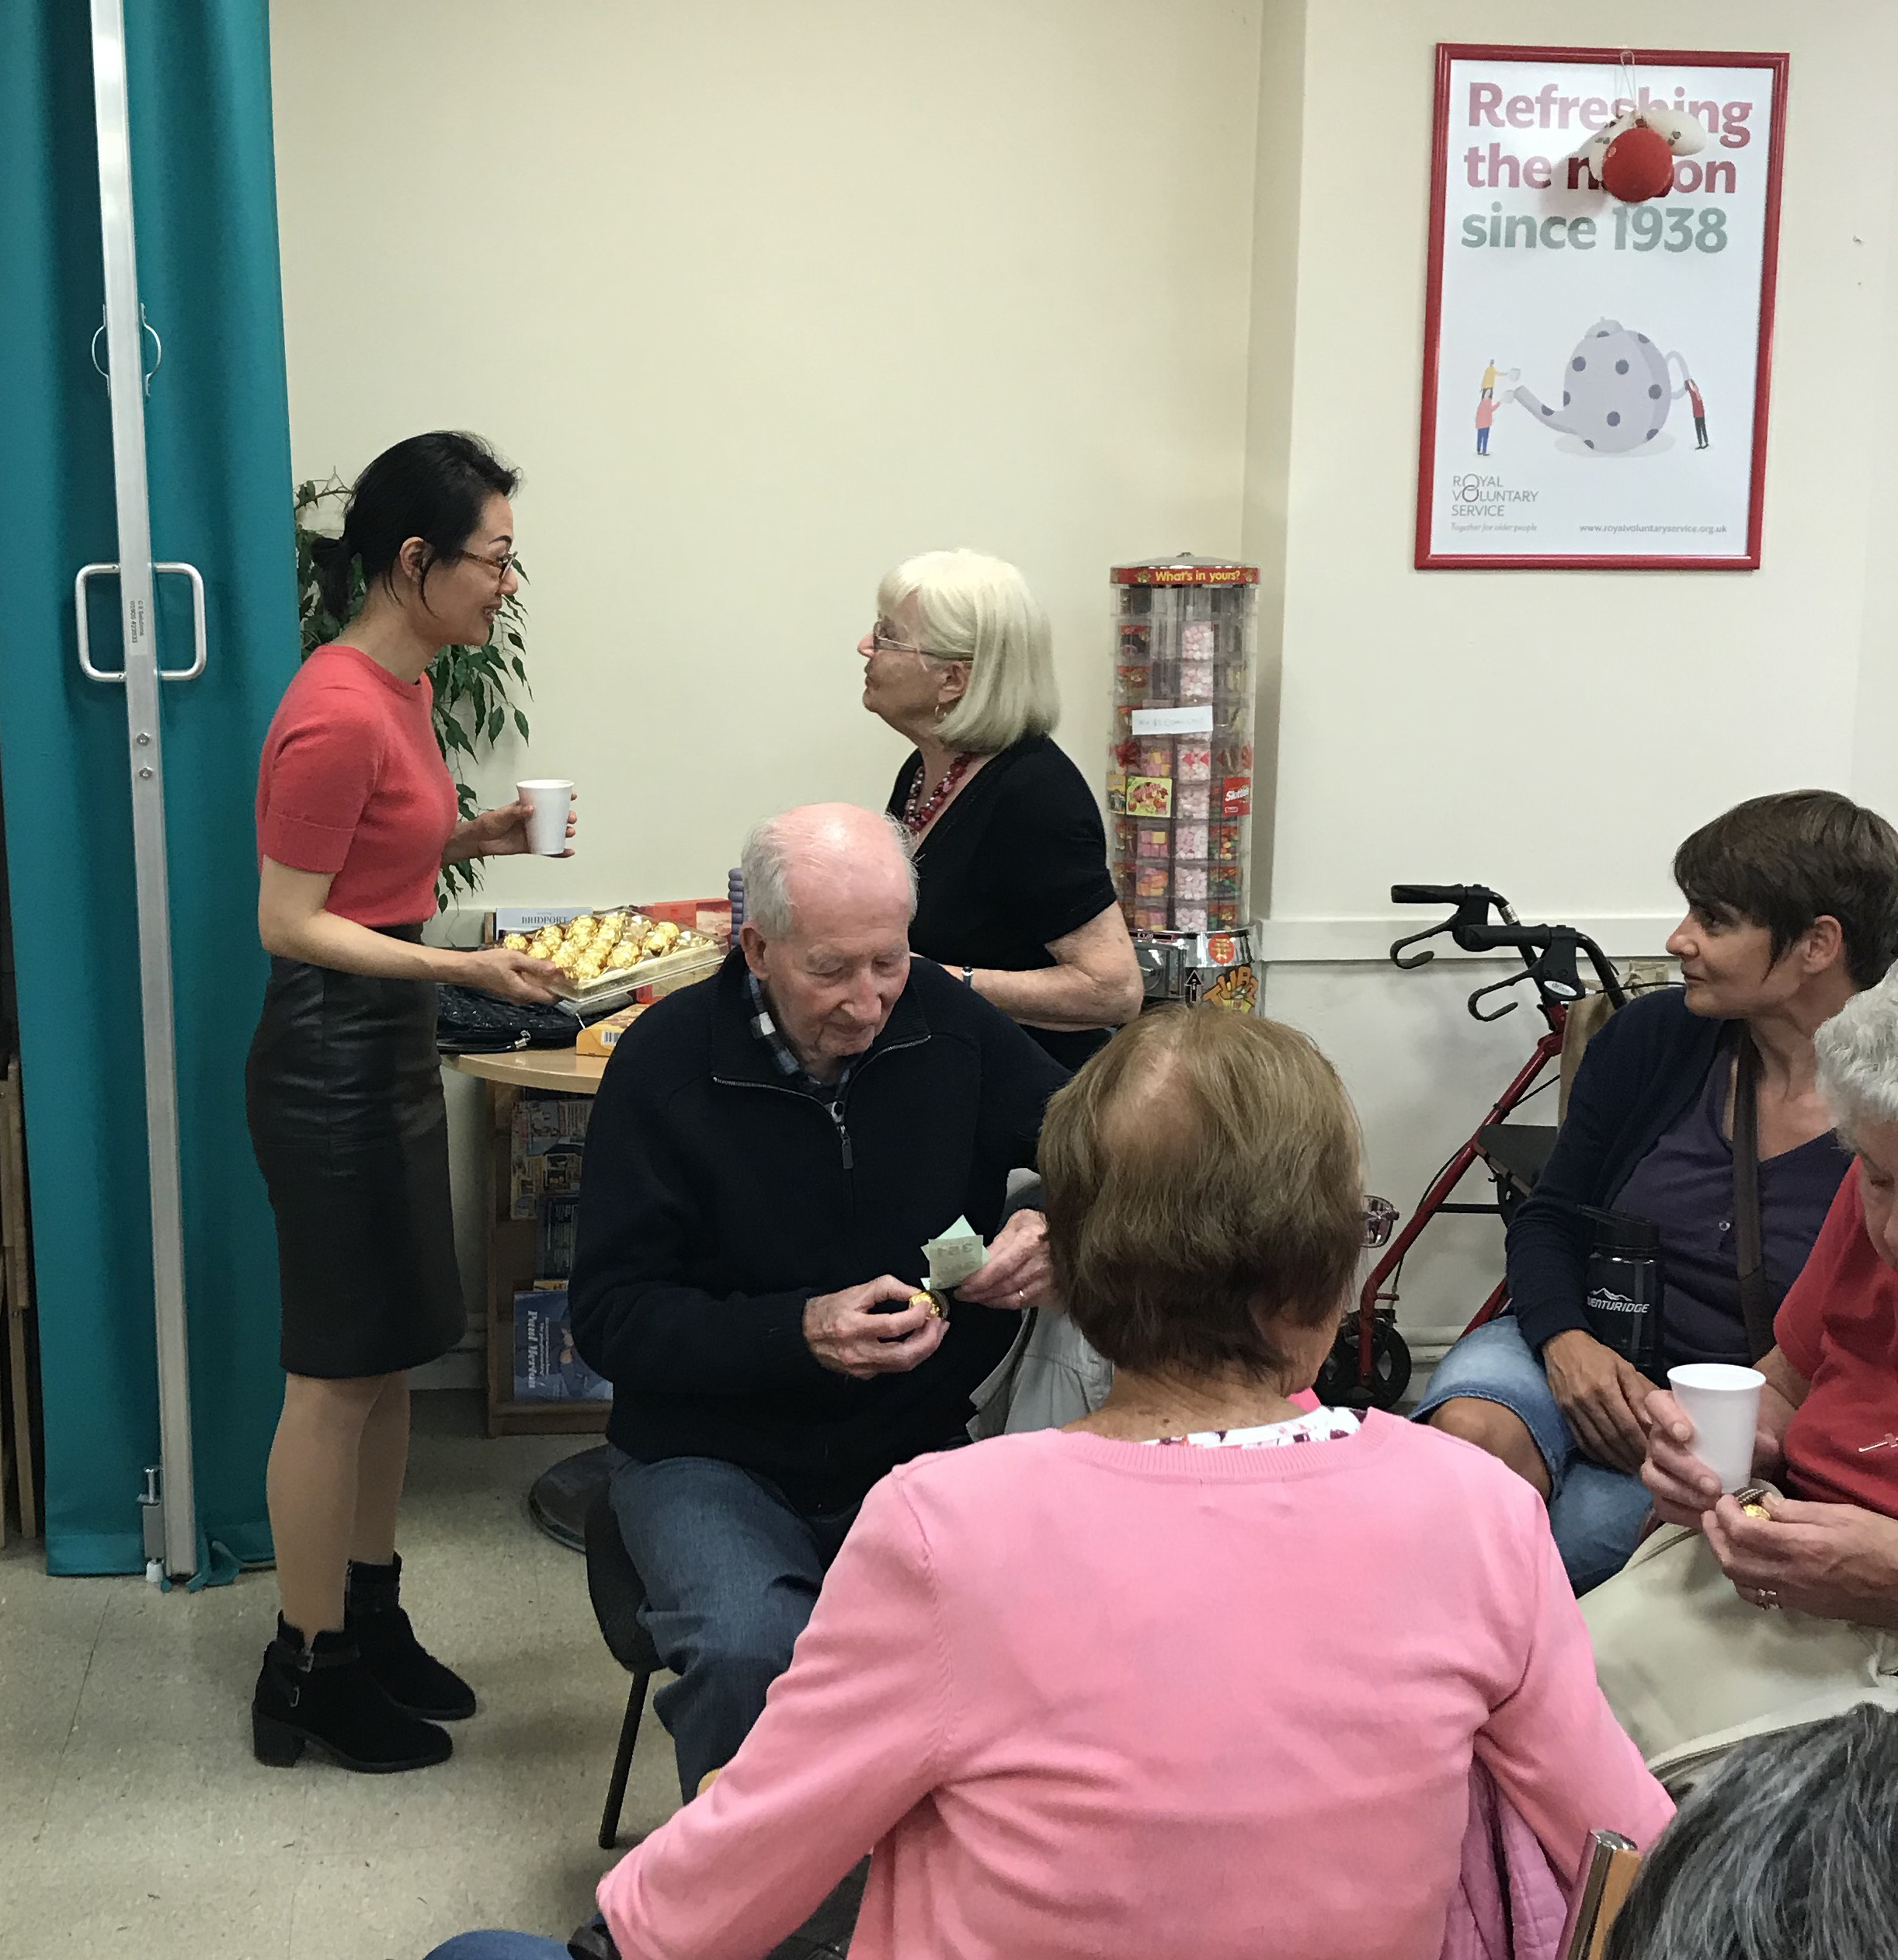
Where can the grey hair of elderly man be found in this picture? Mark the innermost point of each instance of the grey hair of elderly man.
(1788, 1852)
(819, 843)
(829, 892)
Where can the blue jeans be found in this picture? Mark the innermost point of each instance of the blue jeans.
(498, 1946)
(1595, 1513)
(731, 1572)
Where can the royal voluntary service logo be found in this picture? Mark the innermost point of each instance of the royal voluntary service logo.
(1481, 493)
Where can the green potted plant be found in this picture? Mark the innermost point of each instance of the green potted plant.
(475, 686)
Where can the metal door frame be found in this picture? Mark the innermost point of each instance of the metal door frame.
(124, 331)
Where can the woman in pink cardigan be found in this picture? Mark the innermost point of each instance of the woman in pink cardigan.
(1204, 1674)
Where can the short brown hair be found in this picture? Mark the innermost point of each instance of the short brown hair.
(1784, 860)
(1202, 1182)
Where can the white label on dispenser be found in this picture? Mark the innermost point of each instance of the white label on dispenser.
(1172, 720)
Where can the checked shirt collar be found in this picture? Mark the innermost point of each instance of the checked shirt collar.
(765, 1029)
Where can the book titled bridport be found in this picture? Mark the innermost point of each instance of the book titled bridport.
(546, 1367)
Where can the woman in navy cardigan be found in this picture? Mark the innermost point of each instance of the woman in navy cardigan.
(1792, 907)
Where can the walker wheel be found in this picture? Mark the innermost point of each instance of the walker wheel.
(1338, 1386)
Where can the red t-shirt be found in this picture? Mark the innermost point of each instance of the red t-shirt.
(352, 783)
(1838, 1326)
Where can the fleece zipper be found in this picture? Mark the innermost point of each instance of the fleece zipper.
(835, 1111)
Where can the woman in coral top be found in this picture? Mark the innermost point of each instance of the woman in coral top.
(1770, 1610)
(1204, 1674)
(356, 815)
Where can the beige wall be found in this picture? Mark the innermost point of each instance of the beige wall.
(764, 298)
(1633, 705)
(1551, 734)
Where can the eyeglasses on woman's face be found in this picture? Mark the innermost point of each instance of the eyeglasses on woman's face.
(500, 566)
(883, 640)
(1380, 1216)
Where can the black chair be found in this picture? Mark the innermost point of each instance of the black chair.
(613, 1584)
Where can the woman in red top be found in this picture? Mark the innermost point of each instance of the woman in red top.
(1788, 1612)
(355, 816)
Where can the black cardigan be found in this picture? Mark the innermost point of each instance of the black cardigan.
(1017, 860)
(715, 1201)
(1644, 1067)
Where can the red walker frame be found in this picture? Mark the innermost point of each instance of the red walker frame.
(1549, 956)
(1436, 1198)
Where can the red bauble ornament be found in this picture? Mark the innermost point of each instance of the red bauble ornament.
(1638, 164)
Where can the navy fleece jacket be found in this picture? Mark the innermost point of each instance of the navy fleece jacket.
(716, 1199)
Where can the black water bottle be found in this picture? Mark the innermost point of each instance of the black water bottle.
(1626, 1304)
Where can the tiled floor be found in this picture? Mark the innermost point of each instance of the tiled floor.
(133, 1819)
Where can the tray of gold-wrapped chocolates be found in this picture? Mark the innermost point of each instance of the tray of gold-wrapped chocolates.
(602, 957)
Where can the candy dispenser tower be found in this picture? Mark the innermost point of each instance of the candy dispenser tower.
(1180, 774)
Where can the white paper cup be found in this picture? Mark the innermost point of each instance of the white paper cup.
(1722, 1402)
(547, 803)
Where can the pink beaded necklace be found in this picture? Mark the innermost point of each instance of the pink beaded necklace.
(917, 809)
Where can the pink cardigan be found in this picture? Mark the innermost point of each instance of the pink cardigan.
(1094, 1699)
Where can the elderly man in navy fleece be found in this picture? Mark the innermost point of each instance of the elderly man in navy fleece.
(769, 1151)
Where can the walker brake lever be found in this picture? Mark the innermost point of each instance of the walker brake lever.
(1411, 939)
(1496, 987)
(1554, 968)
(1473, 903)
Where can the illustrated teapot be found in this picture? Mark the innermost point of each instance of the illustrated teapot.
(1616, 391)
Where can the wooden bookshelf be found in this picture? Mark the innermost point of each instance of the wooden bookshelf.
(509, 1249)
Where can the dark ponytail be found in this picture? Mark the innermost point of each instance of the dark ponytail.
(432, 487)
(330, 557)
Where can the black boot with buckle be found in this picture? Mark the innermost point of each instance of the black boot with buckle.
(411, 1676)
(320, 1694)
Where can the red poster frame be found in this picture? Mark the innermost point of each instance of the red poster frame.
(1449, 53)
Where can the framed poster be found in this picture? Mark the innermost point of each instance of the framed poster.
(1595, 373)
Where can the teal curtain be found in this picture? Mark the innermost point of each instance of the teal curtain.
(217, 434)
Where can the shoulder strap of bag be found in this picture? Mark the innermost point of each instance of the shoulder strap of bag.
(1757, 1303)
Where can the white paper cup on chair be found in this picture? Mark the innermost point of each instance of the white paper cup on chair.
(1722, 1402)
(547, 803)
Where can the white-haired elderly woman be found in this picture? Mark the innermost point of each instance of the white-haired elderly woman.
(1015, 897)
(1783, 1609)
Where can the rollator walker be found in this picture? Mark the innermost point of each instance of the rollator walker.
(1370, 1366)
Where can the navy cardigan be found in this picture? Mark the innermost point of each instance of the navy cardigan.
(1644, 1067)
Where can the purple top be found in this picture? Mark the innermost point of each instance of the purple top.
(1685, 1186)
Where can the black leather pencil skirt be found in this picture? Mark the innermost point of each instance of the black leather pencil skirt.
(343, 1091)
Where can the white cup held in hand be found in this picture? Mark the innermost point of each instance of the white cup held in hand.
(547, 803)
(1722, 1402)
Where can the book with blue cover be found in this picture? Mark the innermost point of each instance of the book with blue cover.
(546, 1367)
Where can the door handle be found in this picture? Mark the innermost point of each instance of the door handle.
(199, 643)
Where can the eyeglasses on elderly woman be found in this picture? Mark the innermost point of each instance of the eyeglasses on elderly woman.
(1380, 1216)
(884, 639)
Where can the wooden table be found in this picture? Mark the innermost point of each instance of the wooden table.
(509, 1242)
(560, 1068)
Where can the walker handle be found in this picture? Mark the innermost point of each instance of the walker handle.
(1472, 904)
(1444, 895)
